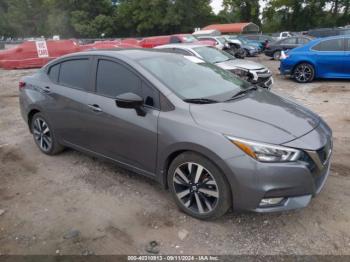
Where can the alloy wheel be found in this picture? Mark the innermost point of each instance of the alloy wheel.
(303, 73)
(195, 187)
(42, 134)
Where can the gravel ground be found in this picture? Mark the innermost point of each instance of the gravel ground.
(75, 204)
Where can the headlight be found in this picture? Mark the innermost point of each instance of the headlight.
(266, 153)
(240, 72)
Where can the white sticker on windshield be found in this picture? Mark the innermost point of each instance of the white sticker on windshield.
(194, 59)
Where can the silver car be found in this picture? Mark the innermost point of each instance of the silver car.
(248, 70)
(212, 139)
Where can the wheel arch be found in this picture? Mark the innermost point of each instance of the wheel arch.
(30, 115)
(307, 61)
(167, 157)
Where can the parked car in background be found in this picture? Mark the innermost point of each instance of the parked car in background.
(281, 35)
(326, 32)
(256, 43)
(248, 70)
(219, 41)
(212, 139)
(150, 42)
(274, 49)
(236, 47)
(246, 41)
(209, 32)
(248, 48)
(264, 40)
(320, 58)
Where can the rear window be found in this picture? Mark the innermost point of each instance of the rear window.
(53, 72)
(330, 45)
(74, 73)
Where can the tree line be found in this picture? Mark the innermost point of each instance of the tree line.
(123, 18)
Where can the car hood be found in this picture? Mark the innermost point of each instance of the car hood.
(232, 64)
(259, 116)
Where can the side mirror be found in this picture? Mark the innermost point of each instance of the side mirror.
(132, 101)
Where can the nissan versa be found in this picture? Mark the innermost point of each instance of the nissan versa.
(214, 140)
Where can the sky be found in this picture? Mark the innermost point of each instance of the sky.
(217, 5)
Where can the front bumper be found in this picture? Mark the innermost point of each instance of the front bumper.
(268, 52)
(295, 182)
(253, 52)
(286, 67)
(262, 78)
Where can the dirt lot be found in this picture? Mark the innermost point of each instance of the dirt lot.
(74, 204)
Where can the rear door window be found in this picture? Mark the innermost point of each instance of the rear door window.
(75, 73)
(330, 45)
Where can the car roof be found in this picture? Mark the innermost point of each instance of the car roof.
(182, 45)
(125, 54)
(130, 53)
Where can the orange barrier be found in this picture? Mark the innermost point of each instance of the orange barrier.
(35, 54)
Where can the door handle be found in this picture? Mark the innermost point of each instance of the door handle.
(95, 108)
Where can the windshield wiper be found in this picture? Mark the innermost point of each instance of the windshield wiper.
(200, 101)
(242, 92)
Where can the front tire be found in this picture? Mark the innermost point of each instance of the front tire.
(44, 135)
(198, 186)
(304, 73)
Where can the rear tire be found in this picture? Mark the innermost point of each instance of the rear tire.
(304, 73)
(44, 135)
(198, 186)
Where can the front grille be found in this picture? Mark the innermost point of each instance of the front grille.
(262, 80)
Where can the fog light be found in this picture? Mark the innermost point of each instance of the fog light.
(271, 201)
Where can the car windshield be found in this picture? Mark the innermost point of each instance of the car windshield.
(213, 55)
(192, 78)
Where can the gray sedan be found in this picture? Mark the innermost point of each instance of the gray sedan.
(212, 139)
(248, 70)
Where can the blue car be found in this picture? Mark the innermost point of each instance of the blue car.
(254, 43)
(320, 58)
